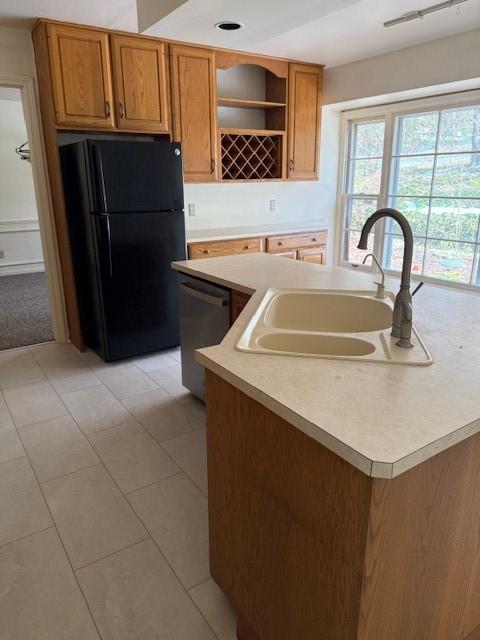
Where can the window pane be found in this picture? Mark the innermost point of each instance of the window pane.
(358, 211)
(412, 176)
(417, 133)
(352, 254)
(393, 253)
(457, 175)
(460, 130)
(416, 212)
(365, 176)
(454, 219)
(449, 260)
(368, 140)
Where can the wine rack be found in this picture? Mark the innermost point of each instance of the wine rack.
(252, 155)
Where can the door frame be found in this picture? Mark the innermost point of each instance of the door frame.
(46, 219)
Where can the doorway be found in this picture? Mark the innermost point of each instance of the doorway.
(25, 316)
(31, 295)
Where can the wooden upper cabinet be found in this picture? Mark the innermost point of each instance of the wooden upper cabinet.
(141, 85)
(304, 107)
(194, 110)
(80, 67)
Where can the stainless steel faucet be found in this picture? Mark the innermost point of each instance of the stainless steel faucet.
(380, 285)
(402, 309)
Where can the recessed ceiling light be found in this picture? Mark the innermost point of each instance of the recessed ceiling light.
(229, 25)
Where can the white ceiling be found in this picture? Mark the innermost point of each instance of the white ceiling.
(330, 32)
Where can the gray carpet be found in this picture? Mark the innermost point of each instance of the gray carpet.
(24, 310)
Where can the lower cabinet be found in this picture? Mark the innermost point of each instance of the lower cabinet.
(238, 301)
(317, 255)
(308, 247)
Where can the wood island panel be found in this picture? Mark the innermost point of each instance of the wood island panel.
(288, 522)
(306, 547)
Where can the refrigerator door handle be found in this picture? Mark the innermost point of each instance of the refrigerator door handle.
(205, 297)
(100, 177)
(106, 220)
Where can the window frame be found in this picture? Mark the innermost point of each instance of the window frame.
(388, 113)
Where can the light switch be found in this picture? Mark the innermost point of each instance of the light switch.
(2, 253)
(273, 205)
(192, 209)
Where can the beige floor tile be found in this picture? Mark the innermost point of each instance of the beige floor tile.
(39, 596)
(33, 402)
(132, 456)
(70, 375)
(10, 445)
(155, 361)
(22, 508)
(92, 516)
(55, 352)
(175, 513)
(95, 408)
(57, 447)
(171, 381)
(161, 414)
(216, 609)
(18, 367)
(190, 452)
(134, 595)
(5, 418)
(126, 380)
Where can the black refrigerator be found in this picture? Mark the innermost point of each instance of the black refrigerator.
(125, 212)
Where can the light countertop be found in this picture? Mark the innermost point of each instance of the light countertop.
(382, 418)
(228, 233)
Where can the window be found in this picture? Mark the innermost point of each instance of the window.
(431, 173)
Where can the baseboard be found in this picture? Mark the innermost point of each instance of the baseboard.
(20, 267)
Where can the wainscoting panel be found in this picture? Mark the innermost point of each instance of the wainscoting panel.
(20, 247)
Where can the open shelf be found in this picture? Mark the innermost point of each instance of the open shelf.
(251, 132)
(248, 104)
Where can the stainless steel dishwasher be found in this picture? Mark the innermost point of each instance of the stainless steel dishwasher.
(204, 321)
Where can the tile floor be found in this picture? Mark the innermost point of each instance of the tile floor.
(103, 501)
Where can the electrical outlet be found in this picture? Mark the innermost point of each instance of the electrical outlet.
(2, 253)
(273, 205)
(192, 209)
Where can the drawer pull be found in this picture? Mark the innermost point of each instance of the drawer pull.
(314, 239)
(206, 251)
(279, 244)
(246, 247)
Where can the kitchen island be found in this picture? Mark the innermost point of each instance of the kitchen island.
(344, 494)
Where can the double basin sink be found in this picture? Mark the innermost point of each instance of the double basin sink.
(351, 325)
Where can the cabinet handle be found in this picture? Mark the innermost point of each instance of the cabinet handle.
(121, 110)
(107, 109)
(212, 165)
(291, 165)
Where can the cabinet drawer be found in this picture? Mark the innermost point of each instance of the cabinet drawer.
(317, 255)
(287, 254)
(277, 244)
(224, 248)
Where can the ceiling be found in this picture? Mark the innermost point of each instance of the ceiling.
(330, 32)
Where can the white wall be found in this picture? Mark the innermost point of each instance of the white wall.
(433, 63)
(19, 229)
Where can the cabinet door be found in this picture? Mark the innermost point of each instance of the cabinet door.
(140, 75)
(194, 110)
(304, 104)
(317, 255)
(82, 87)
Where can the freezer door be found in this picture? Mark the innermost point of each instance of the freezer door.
(138, 295)
(135, 176)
